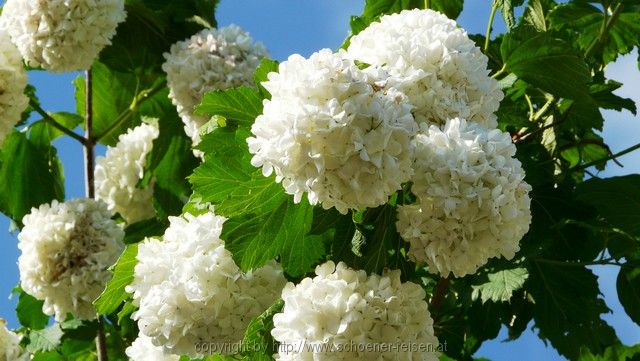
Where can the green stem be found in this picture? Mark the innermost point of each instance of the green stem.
(126, 115)
(610, 157)
(427, 4)
(500, 72)
(543, 110)
(607, 24)
(49, 119)
(530, 104)
(487, 38)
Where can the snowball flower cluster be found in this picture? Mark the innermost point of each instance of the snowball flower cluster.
(66, 251)
(473, 203)
(118, 173)
(62, 35)
(10, 345)
(336, 314)
(142, 349)
(213, 59)
(328, 131)
(189, 289)
(434, 63)
(13, 80)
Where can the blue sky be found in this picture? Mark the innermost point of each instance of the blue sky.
(305, 26)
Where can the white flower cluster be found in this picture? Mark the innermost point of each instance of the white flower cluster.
(330, 132)
(213, 59)
(66, 251)
(189, 289)
(142, 349)
(62, 35)
(13, 80)
(117, 174)
(342, 314)
(473, 202)
(434, 63)
(10, 344)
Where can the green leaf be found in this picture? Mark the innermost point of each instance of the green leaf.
(568, 308)
(45, 340)
(29, 311)
(242, 104)
(264, 222)
(617, 352)
(451, 8)
(628, 285)
(546, 62)
(507, 7)
(586, 20)
(500, 285)
(258, 337)
(48, 356)
(30, 175)
(617, 200)
(534, 15)
(114, 294)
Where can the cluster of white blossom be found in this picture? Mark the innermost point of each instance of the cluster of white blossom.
(473, 203)
(142, 349)
(62, 35)
(328, 131)
(341, 314)
(117, 174)
(189, 289)
(213, 59)
(13, 80)
(66, 251)
(434, 63)
(10, 345)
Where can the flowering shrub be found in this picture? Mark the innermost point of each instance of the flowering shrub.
(404, 197)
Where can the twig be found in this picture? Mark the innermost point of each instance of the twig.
(610, 157)
(49, 119)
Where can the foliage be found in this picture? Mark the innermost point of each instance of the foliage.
(550, 64)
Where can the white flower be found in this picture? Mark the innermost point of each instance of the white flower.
(62, 35)
(10, 344)
(473, 203)
(340, 312)
(142, 349)
(66, 251)
(213, 59)
(13, 80)
(434, 63)
(190, 291)
(118, 173)
(327, 131)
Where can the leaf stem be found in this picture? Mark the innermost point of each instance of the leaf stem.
(610, 157)
(500, 72)
(530, 104)
(607, 24)
(135, 103)
(487, 38)
(49, 119)
(543, 110)
(427, 4)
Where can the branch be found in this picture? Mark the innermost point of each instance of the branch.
(126, 115)
(49, 119)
